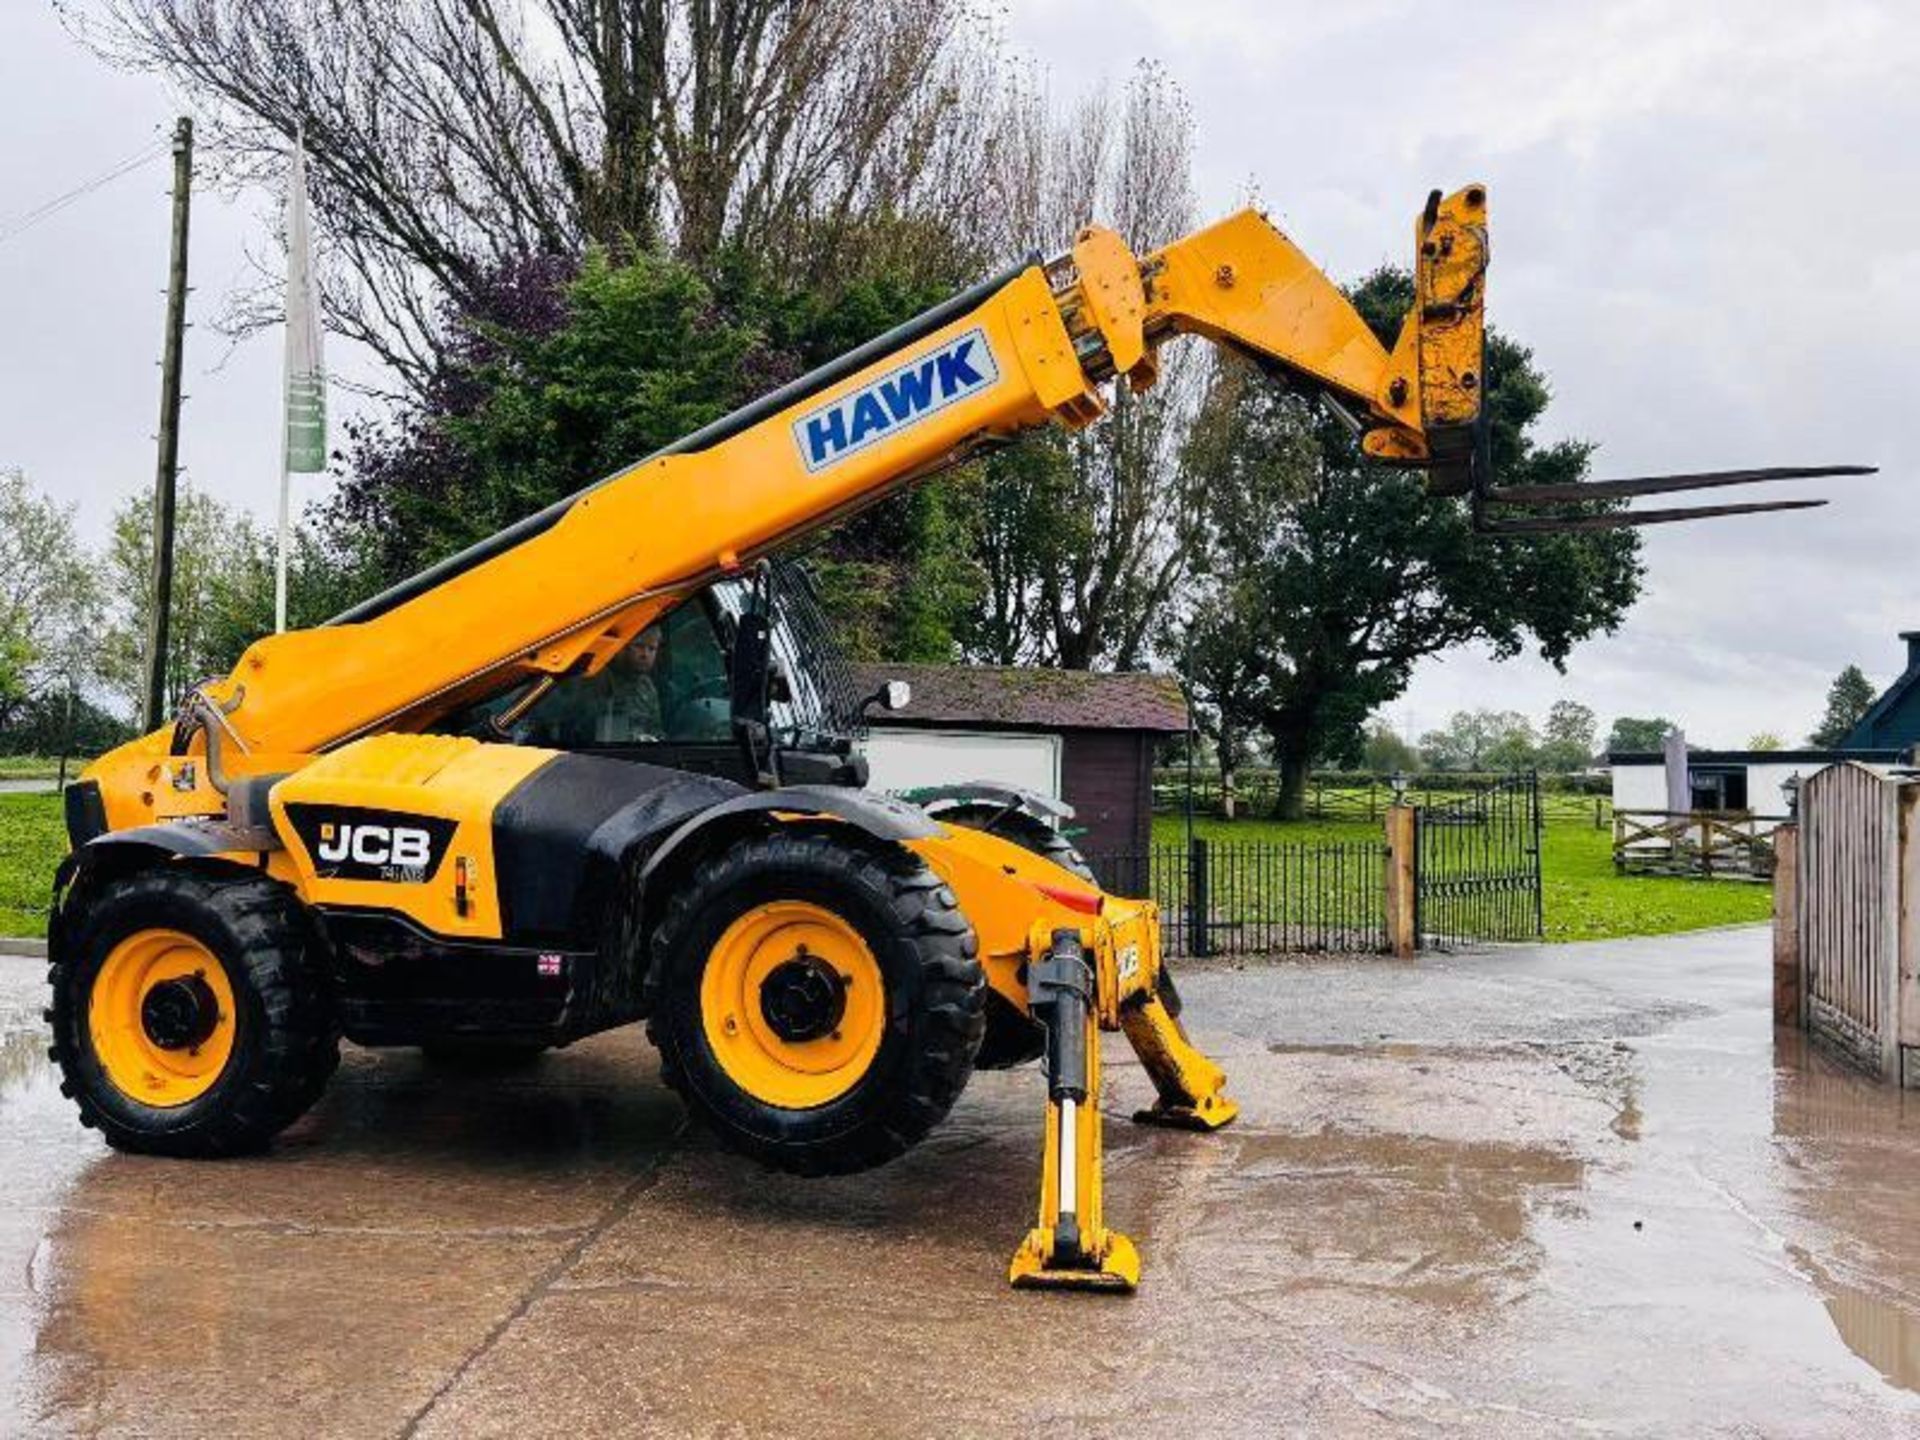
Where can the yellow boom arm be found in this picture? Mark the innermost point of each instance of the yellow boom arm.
(567, 588)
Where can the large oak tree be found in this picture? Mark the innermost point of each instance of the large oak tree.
(1328, 579)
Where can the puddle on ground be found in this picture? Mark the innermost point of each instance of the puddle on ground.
(1851, 1152)
(1439, 1222)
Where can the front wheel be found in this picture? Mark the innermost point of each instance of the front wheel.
(188, 1012)
(817, 1004)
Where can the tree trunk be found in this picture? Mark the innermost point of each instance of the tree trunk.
(1227, 751)
(1292, 804)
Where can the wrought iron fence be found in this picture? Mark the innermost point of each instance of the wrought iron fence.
(1477, 865)
(1257, 898)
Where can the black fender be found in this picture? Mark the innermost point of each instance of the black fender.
(937, 798)
(880, 816)
(188, 838)
(119, 852)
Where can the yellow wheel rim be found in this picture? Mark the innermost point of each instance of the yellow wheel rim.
(161, 1018)
(767, 1007)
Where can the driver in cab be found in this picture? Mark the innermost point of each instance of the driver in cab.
(619, 706)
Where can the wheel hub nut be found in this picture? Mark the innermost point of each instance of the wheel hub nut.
(180, 1014)
(803, 999)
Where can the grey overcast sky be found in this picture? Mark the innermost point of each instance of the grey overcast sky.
(1705, 224)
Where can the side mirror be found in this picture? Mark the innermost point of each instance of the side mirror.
(892, 696)
(752, 666)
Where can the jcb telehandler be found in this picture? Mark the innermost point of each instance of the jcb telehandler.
(596, 770)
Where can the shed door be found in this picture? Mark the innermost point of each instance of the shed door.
(910, 759)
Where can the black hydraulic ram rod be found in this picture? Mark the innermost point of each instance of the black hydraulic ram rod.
(1060, 993)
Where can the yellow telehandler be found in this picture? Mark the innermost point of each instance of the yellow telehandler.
(598, 769)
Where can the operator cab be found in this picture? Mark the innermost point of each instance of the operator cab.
(672, 697)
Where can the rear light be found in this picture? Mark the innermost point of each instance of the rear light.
(1087, 902)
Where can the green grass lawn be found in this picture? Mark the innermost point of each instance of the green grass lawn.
(1583, 898)
(36, 767)
(33, 837)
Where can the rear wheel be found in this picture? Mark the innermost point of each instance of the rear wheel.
(1027, 831)
(817, 1004)
(188, 1015)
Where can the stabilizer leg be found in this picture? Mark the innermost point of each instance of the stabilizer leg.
(1192, 1089)
(1070, 1247)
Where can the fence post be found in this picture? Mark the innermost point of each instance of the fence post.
(1199, 901)
(1401, 879)
(1786, 925)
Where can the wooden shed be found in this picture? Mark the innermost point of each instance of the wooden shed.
(1085, 738)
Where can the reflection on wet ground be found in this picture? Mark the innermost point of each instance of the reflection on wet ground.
(1582, 1188)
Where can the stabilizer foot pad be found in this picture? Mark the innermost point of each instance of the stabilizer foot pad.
(1210, 1114)
(1117, 1271)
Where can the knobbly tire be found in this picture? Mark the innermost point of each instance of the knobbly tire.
(1014, 1038)
(281, 1044)
(909, 933)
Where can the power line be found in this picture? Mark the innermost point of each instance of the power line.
(26, 222)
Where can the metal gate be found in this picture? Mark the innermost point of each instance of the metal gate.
(1477, 865)
(1849, 911)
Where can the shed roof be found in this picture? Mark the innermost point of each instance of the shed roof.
(1023, 697)
(1870, 756)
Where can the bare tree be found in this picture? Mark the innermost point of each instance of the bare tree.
(450, 138)
(1080, 541)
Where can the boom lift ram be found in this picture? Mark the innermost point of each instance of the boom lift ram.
(358, 832)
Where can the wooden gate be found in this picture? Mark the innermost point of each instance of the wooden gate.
(1853, 855)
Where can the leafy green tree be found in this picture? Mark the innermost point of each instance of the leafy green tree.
(1346, 575)
(1383, 751)
(1567, 740)
(50, 601)
(1849, 697)
(213, 546)
(1631, 733)
(1479, 740)
(582, 374)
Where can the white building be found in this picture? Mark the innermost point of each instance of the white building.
(1727, 781)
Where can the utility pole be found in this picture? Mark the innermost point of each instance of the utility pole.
(169, 462)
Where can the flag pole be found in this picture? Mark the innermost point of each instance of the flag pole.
(280, 543)
(303, 430)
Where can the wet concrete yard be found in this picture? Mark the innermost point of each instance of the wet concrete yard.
(1570, 1189)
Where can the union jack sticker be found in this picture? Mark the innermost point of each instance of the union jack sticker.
(549, 964)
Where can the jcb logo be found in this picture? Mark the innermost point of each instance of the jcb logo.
(350, 843)
(400, 845)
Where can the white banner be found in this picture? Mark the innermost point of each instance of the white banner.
(306, 366)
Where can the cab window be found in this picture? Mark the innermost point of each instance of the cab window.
(669, 685)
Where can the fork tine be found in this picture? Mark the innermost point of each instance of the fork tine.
(1578, 491)
(1631, 519)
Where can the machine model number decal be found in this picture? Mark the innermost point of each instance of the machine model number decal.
(350, 843)
(1128, 962)
(963, 366)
